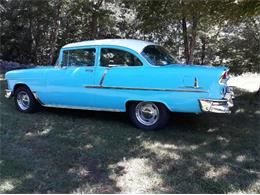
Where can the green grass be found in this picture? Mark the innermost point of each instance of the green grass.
(71, 151)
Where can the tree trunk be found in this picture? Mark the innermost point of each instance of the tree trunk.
(31, 35)
(55, 33)
(193, 39)
(203, 49)
(93, 26)
(185, 40)
(94, 19)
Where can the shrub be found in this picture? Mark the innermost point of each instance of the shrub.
(9, 65)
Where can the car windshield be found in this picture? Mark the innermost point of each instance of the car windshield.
(158, 56)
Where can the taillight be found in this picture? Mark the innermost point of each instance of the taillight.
(224, 77)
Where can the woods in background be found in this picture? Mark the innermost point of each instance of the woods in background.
(212, 32)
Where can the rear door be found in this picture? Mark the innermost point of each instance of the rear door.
(118, 69)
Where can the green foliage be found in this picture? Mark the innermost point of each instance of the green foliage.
(201, 32)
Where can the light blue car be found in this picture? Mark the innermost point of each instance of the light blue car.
(122, 75)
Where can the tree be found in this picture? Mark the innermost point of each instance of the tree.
(202, 32)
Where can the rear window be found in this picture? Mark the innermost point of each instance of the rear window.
(158, 56)
(116, 57)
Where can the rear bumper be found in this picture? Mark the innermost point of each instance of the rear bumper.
(218, 106)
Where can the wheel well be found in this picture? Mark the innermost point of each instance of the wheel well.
(33, 93)
(19, 85)
(128, 103)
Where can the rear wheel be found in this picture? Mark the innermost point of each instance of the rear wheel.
(148, 115)
(24, 100)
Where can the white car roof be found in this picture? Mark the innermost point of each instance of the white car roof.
(136, 45)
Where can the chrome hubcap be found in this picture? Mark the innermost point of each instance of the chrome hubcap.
(147, 113)
(23, 100)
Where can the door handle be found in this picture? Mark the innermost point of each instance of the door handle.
(89, 70)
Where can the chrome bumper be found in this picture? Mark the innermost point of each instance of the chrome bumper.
(218, 106)
(8, 93)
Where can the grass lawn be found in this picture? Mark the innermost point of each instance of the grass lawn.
(71, 151)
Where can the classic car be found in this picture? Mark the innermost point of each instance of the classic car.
(122, 75)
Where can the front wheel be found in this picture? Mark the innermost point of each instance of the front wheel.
(148, 115)
(24, 100)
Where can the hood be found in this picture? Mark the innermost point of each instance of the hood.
(27, 73)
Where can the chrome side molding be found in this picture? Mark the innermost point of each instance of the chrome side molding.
(103, 77)
(145, 89)
(82, 108)
(73, 107)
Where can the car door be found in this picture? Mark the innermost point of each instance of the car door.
(66, 84)
(118, 69)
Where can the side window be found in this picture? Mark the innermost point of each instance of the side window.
(116, 57)
(79, 57)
